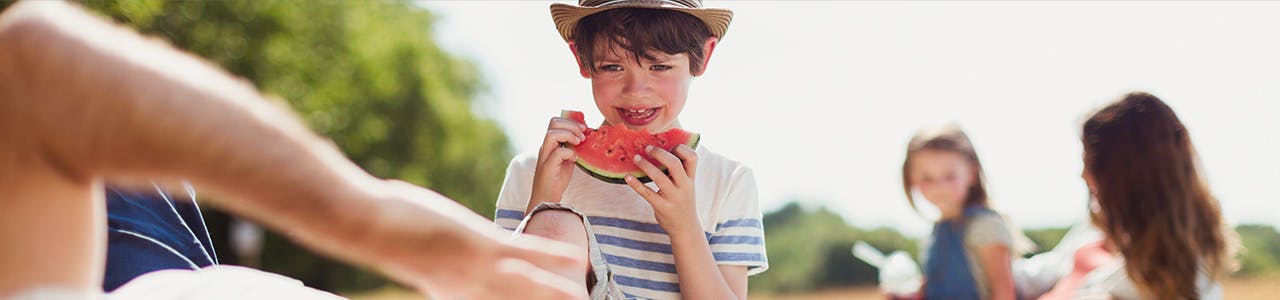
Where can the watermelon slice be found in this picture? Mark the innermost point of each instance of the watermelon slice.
(607, 152)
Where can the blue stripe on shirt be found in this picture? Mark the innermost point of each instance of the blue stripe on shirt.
(631, 225)
(749, 222)
(633, 244)
(615, 260)
(737, 239)
(737, 256)
(626, 224)
(509, 214)
(646, 284)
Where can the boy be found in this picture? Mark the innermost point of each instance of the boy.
(701, 221)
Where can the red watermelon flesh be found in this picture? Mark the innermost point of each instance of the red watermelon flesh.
(607, 152)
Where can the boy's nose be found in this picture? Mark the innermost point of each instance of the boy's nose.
(636, 83)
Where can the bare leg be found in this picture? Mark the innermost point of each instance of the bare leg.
(563, 226)
(52, 227)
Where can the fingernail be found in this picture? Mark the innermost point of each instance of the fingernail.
(637, 157)
(648, 148)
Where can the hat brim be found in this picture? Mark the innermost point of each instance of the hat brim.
(566, 16)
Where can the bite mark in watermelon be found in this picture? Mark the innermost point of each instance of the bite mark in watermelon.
(607, 152)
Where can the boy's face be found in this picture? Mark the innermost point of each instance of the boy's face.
(645, 94)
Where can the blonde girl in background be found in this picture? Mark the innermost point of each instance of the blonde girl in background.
(969, 253)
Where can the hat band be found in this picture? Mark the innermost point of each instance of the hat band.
(680, 3)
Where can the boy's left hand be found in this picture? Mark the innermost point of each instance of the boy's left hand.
(673, 203)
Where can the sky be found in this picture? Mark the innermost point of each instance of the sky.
(839, 87)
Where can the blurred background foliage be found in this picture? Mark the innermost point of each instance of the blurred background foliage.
(368, 75)
(810, 249)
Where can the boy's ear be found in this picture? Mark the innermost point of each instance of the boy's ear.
(707, 48)
(586, 73)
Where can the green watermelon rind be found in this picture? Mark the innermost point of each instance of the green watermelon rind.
(620, 178)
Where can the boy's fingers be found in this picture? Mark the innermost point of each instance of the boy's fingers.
(663, 182)
(567, 124)
(556, 137)
(689, 158)
(674, 167)
(560, 155)
(644, 191)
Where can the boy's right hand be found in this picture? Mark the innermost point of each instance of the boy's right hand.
(555, 162)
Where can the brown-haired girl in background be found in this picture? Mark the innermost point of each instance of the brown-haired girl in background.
(1164, 234)
(969, 252)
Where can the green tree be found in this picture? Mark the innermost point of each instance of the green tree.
(366, 74)
(1261, 253)
(1045, 238)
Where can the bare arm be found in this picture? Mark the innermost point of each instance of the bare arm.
(82, 100)
(995, 260)
(700, 276)
(674, 208)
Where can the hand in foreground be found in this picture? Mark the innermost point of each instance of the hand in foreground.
(444, 249)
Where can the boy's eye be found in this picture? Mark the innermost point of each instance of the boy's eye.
(610, 68)
(659, 67)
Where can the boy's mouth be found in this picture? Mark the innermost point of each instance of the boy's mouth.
(638, 117)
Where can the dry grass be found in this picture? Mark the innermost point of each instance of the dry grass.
(1267, 287)
(867, 292)
(1252, 288)
(1235, 288)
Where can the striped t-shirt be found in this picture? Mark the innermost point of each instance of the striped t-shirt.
(636, 249)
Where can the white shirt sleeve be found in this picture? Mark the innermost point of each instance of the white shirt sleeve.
(738, 237)
(514, 196)
(989, 229)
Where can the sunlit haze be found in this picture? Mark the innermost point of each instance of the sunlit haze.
(820, 98)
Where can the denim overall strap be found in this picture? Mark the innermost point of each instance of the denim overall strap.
(947, 271)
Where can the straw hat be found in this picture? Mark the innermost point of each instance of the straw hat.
(566, 16)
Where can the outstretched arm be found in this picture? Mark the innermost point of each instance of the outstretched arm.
(82, 100)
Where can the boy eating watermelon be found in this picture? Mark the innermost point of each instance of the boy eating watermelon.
(695, 230)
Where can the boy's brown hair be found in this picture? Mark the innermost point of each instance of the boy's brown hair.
(947, 138)
(1155, 207)
(638, 31)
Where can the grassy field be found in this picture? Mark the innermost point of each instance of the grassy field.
(1234, 288)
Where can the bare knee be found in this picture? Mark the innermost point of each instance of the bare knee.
(563, 226)
(560, 225)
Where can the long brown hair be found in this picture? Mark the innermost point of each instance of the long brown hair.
(948, 138)
(1154, 205)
